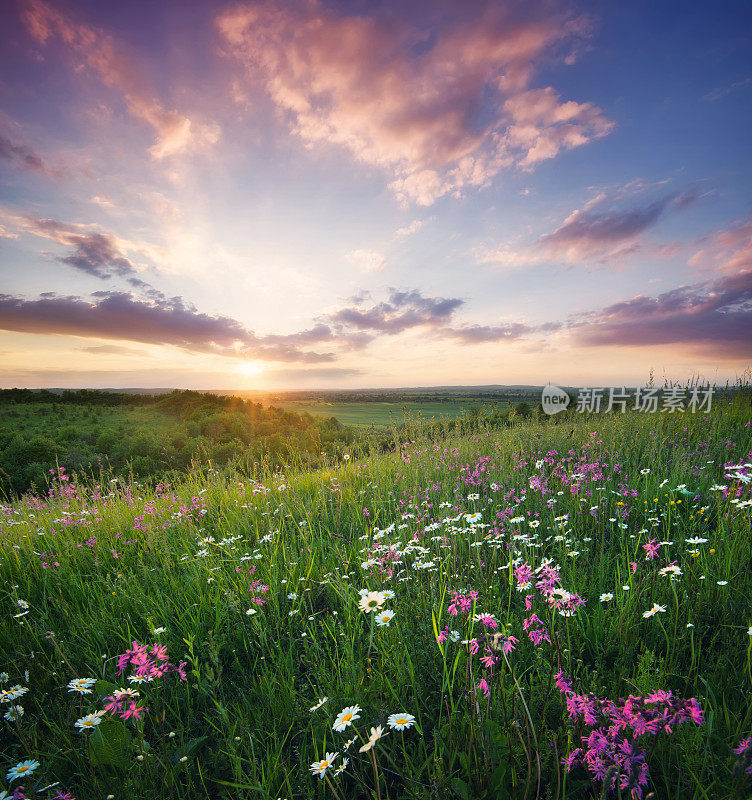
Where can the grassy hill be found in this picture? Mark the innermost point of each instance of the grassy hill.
(559, 605)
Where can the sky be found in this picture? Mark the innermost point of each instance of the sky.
(295, 195)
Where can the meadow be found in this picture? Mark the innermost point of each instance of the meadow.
(552, 609)
(380, 413)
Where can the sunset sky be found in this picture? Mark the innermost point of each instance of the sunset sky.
(364, 194)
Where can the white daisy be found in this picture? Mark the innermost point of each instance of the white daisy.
(383, 618)
(346, 717)
(400, 722)
(81, 685)
(21, 770)
(319, 704)
(89, 722)
(320, 767)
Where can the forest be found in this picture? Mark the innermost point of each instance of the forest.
(97, 433)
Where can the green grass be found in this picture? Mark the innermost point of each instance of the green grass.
(100, 570)
(381, 414)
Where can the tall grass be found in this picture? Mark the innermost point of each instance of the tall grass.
(448, 513)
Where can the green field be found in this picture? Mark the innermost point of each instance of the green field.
(381, 413)
(552, 610)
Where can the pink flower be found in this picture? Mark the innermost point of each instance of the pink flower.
(133, 711)
(651, 548)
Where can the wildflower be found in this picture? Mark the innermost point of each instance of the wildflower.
(81, 685)
(13, 693)
(89, 722)
(21, 770)
(319, 704)
(320, 767)
(606, 596)
(133, 711)
(721, 583)
(157, 631)
(388, 594)
(292, 596)
(654, 610)
(14, 713)
(4, 677)
(471, 519)
(250, 612)
(384, 618)
(341, 768)
(376, 734)
(371, 601)
(346, 717)
(400, 722)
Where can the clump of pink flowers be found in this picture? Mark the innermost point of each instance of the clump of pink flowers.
(123, 703)
(462, 602)
(149, 662)
(608, 751)
(744, 751)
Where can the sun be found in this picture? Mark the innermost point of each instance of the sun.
(249, 368)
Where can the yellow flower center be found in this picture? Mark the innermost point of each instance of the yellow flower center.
(22, 769)
(401, 721)
(347, 718)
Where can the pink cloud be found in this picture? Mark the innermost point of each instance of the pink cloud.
(726, 251)
(441, 109)
(176, 132)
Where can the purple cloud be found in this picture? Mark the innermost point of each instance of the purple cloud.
(158, 320)
(403, 310)
(715, 316)
(22, 156)
(592, 233)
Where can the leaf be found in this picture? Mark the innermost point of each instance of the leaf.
(461, 788)
(104, 688)
(108, 744)
(189, 749)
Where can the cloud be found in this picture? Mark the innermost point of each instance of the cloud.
(483, 334)
(114, 350)
(102, 55)
(21, 155)
(722, 91)
(157, 320)
(366, 260)
(403, 310)
(727, 251)
(95, 253)
(441, 104)
(605, 234)
(604, 230)
(713, 317)
(408, 230)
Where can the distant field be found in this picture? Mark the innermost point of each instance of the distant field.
(381, 414)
